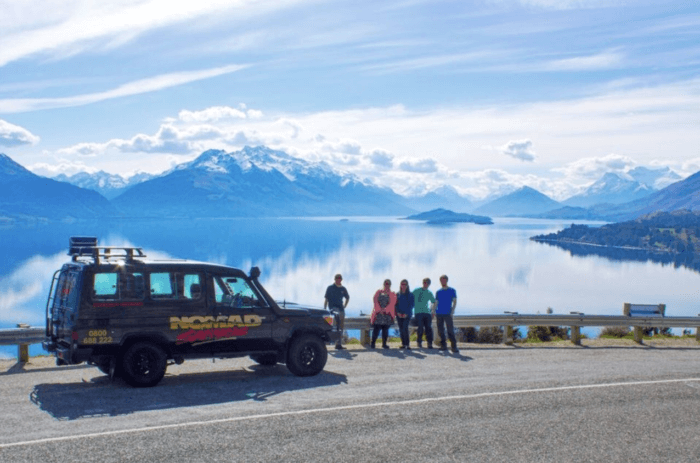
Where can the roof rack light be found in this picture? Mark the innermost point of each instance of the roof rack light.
(78, 245)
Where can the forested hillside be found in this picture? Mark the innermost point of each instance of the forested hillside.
(676, 232)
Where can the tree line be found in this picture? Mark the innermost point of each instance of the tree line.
(674, 232)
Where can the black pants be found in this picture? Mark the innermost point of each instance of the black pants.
(340, 315)
(443, 320)
(385, 333)
(425, 323)
(403, 330)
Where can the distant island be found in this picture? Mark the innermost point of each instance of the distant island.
(675, 232)
(442, 216)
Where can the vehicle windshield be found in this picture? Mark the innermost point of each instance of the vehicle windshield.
(235, 291)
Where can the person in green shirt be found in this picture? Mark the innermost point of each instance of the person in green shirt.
(424, 301)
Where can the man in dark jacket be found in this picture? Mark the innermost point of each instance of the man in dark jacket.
(335, 294)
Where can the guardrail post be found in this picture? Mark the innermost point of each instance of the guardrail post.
(638, 334)
(436, 333)
(697, 334)
(364, 337)
(508, 335)
(576, 335)
(23, 353)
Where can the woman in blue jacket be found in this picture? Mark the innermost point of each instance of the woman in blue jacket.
(404, 311)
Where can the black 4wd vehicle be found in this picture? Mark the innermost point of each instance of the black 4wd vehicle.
(131, 317)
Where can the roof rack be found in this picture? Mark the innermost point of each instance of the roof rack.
(86, 246)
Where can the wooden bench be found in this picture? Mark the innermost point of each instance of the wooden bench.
(643, 311)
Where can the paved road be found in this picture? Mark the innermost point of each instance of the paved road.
(486, 404)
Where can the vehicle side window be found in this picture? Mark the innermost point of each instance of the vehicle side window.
(235, 292)
(192, 286)
(118, 286)
(176, 285)
(163, 285)
(105, 286)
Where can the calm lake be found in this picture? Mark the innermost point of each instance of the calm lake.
(494, 268)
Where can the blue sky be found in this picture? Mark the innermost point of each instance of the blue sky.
(478, 94)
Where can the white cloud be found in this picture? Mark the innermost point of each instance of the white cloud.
(422, 166)
(642, 124)
(151, 84)
(13, 135)
(381, 158)
(568, 4)
(211, 114)
(598, 61)
(22, 291)
(521, 150)
(593, 168)
(62, 28)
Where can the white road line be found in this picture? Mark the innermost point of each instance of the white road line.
(342, 408)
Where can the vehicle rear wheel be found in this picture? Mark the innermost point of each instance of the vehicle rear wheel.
(307, 355)
(267, 360)
(144, 364)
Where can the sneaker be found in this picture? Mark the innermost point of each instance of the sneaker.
(385, 347)
(455, 350)
(402, 347)
(430, 346)
(420, 345)
(339, 347)
(442, 348)
(371, 346)
(408, 347)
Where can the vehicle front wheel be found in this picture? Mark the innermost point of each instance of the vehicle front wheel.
(144, 364)
(307, 355)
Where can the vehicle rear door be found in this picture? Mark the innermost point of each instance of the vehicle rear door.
(65, 304)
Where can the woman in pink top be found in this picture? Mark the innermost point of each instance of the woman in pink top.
(383, 313)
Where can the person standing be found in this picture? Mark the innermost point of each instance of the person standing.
(383, 313)
(424, 299)
(337, 299)
(404, 311)
(446, 298)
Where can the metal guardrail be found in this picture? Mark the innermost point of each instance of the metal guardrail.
(23, 337)
(574, 320)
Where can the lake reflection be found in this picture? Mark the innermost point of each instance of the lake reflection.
(493, 268)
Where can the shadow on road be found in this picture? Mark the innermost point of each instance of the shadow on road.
(102, 397)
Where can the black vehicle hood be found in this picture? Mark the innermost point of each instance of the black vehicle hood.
(294, 309)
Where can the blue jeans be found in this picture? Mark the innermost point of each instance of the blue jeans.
(425, 323)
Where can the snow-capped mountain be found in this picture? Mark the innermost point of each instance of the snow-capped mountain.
(613, 188)
(445, 197)
(256, 182)
(655, 179)
(108, 185)
(525, 201)
(27, 196)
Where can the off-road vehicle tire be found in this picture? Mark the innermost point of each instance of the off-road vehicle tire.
(307, 355)
(267, 360)
(143, 364)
